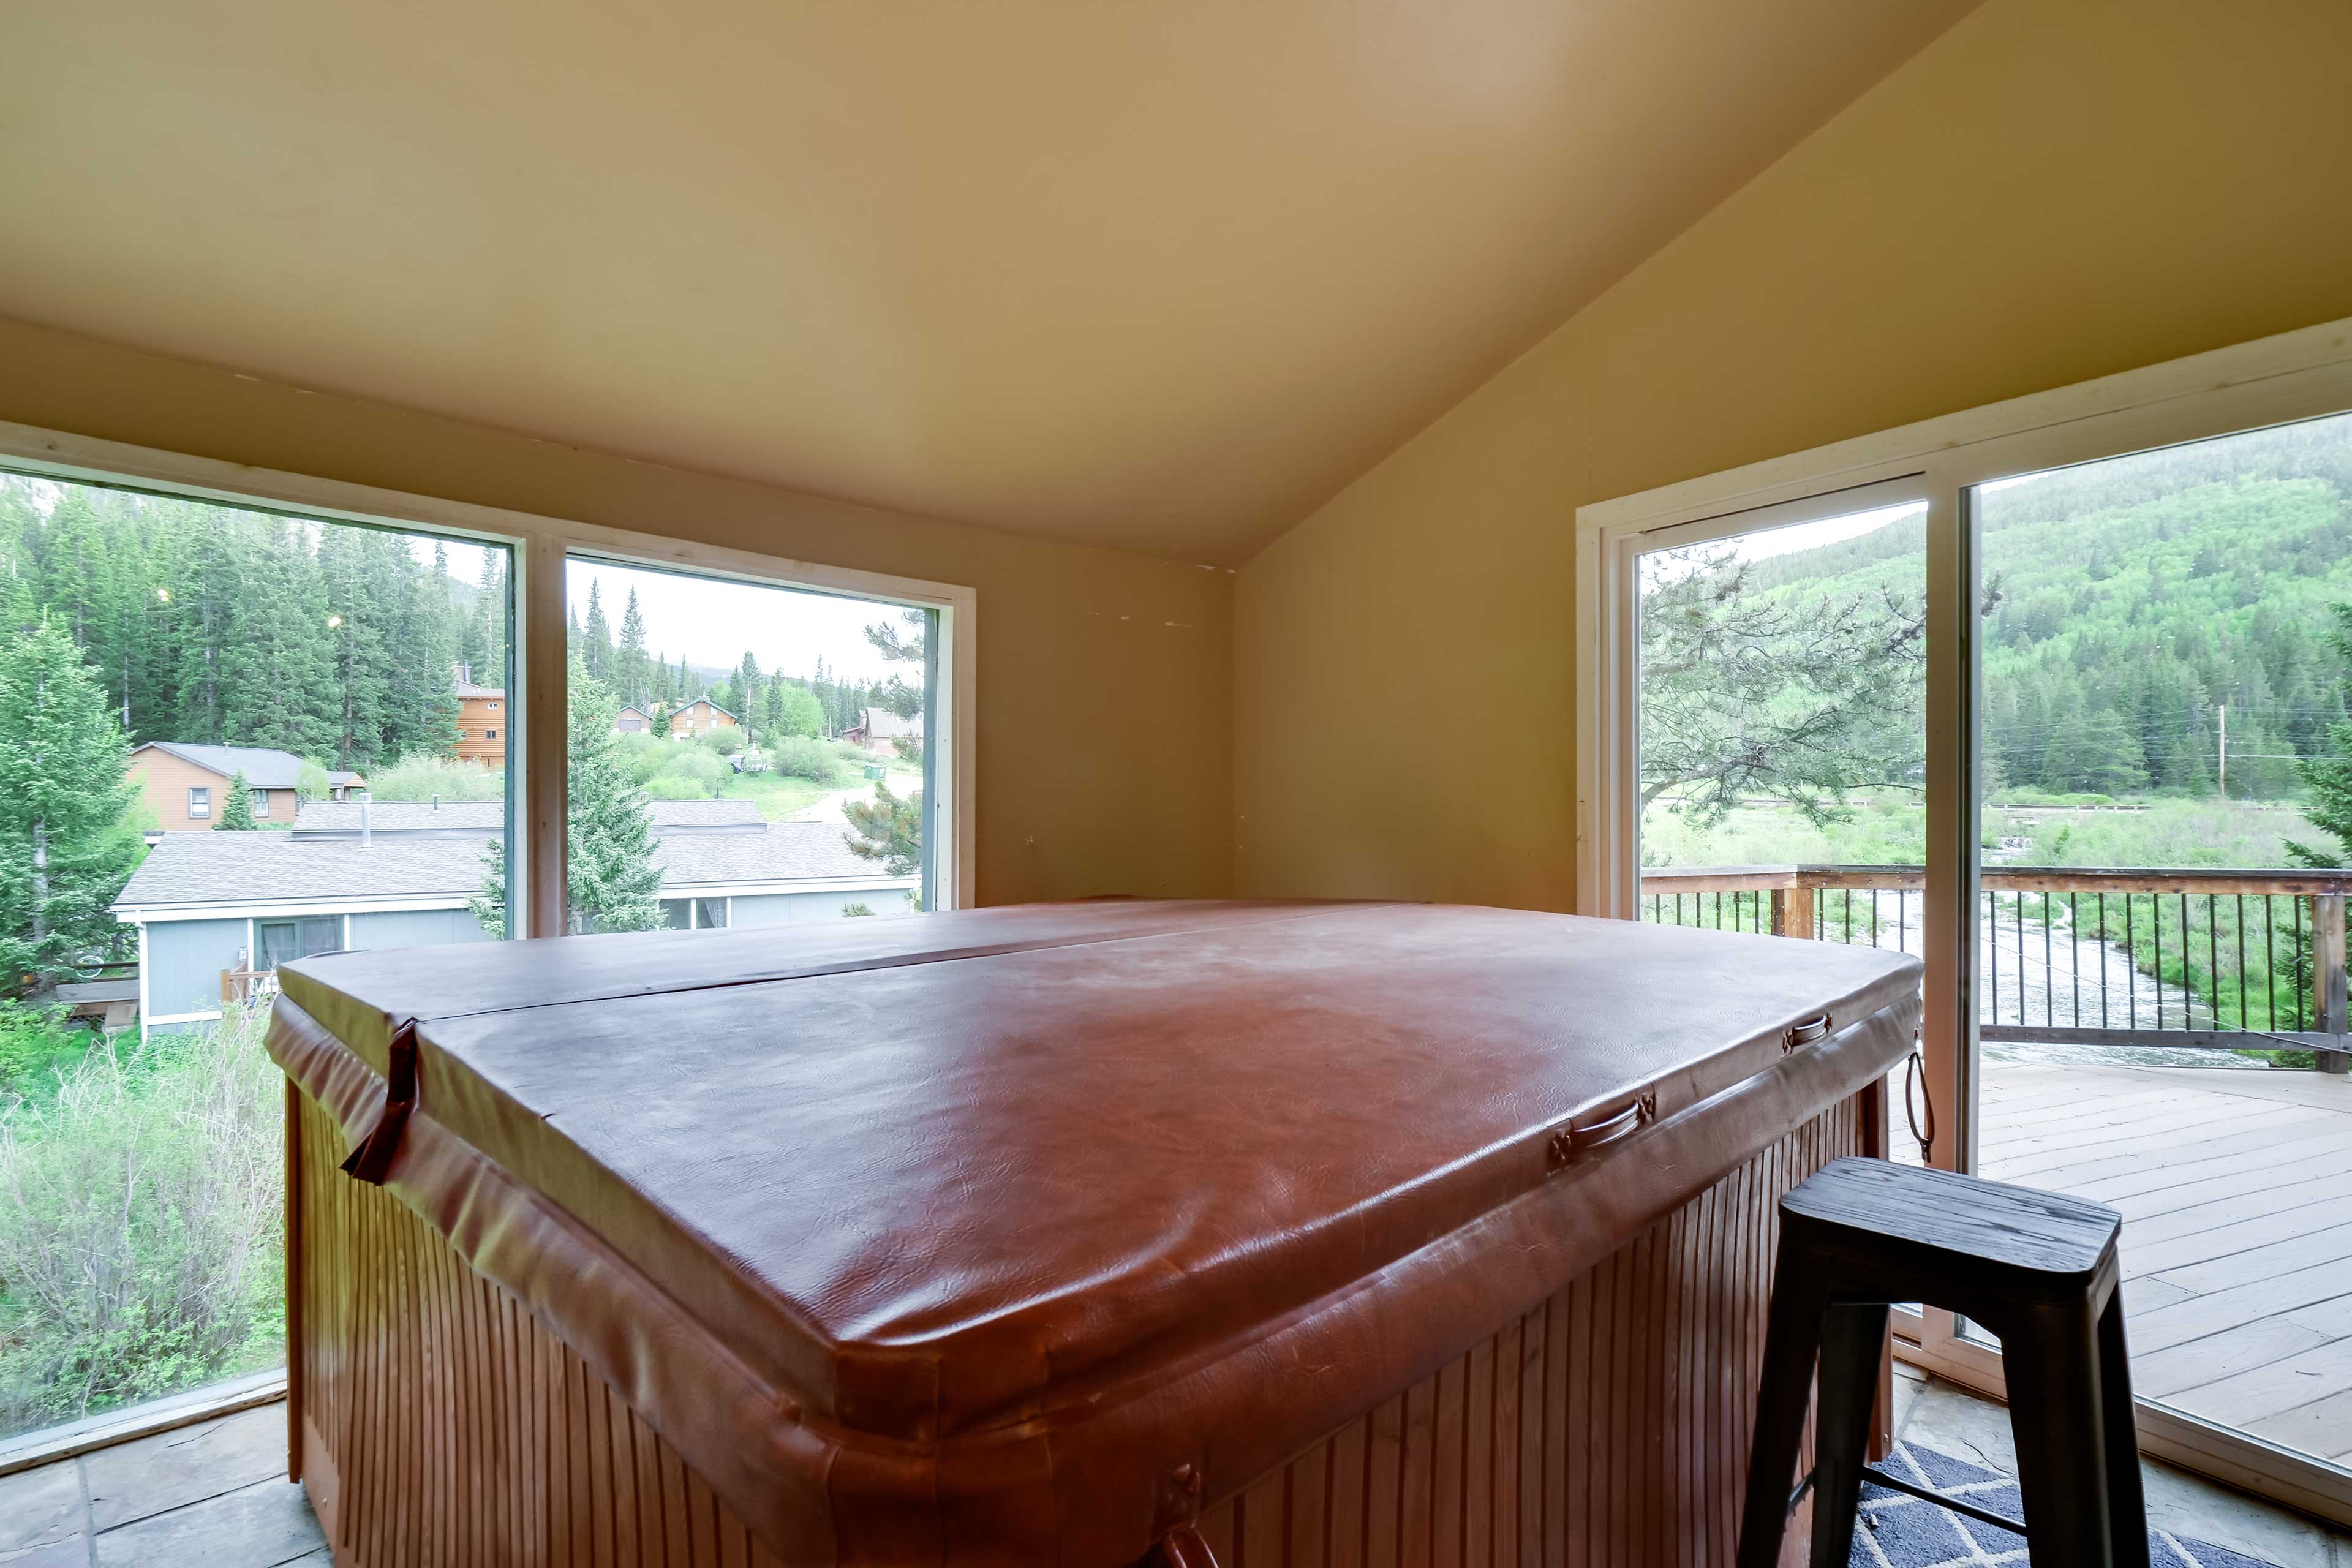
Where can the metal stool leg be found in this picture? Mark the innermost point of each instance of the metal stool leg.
(1852, 1336)
(2127, 1506)
(2051, 1360)
(1791, 1336)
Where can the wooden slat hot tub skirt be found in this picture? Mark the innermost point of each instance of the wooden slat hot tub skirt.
(436, 1422)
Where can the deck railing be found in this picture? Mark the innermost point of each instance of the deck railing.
(2223, 959)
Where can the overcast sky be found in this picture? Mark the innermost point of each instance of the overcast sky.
(712, 622)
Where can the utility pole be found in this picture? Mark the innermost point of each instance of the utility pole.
(2225, 751)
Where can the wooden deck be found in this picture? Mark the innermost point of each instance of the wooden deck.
(2236, 1192)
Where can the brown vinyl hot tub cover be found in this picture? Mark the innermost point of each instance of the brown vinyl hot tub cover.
(960, 1238)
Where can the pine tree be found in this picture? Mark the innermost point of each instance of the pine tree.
(488, 904)
(629, 659)
(212, 576)
(278, 662)
(2329, 778)
(596, 638)
(896, 645)
(888, 828)
(237, 811)
(354, 616)
(491, 619)
(613, 882)
(748, 695)
(64, 853)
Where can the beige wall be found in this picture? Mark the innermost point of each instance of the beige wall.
(2054, 190)
(1105, 756)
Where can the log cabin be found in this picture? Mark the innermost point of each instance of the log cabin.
(1292, 1129)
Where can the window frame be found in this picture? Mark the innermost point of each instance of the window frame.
(200, 801)
(535, 680)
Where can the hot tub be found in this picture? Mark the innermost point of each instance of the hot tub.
(1063, 1234)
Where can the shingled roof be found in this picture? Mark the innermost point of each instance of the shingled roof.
(214, 868)
(342, 817)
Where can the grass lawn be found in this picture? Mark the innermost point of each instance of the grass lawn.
(1890, 829)
(781, 796)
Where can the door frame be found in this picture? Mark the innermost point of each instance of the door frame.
(2272, 381)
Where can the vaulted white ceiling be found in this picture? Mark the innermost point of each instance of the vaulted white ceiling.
(1154, 274)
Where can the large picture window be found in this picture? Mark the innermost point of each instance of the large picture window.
(741, 753)
(253, 720)
(303, 718)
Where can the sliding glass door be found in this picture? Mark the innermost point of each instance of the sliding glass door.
(2057, 695)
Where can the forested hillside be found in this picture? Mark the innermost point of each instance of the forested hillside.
(215, 625)
(2128, 603)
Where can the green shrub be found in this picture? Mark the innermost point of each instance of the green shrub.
(690, 773)
(722, 742)
(646, 754)
(422, 778)
(141, 1236)
(35, 1047)
(802, 758)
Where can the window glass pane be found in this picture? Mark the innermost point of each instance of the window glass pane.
(257, 706)
(2164, 797)
(1783, 738)
(743, 755)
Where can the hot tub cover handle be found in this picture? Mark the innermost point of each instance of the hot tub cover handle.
(372, 1159)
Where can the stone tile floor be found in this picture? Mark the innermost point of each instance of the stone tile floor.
(1934, 1415)
(214, 1495)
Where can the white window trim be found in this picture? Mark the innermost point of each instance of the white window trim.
(2278, 380)
(535, 871)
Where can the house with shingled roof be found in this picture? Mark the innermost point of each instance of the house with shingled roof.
(214, 908)
(186, 787)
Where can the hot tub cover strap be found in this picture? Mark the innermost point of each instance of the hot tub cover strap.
(370, 1158)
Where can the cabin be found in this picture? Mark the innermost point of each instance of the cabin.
(482, 724)
(186, 787)
(878, 727)
(1633, 770)
(698, 717)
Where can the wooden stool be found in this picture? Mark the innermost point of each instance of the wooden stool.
(2037, 1268)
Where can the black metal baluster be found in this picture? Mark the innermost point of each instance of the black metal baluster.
(2102, 958)
(2244, 1022)
(1991, 928)
(2270, 961)
(2074, 955)
(2049, 991)
(2131, 967)
(2186, 1020)
(2017, 911)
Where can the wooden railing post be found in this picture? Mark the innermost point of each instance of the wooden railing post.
(1802, 910)
(2328, 978)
